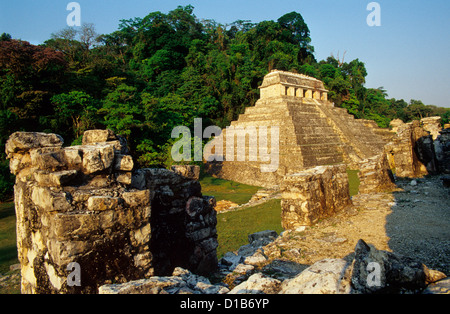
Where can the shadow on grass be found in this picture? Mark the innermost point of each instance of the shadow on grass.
(8, 256)
(7, 210)
(8, 250)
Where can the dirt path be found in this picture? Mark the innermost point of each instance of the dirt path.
(419, 225)
(415, 221)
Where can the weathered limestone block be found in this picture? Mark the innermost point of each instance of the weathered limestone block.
(102, 203)
(98, 136)
(73, 157)
(313, 194)
(102, 136)
(257, 284)
(137, 198)
(396, 273)
(375, 175)
(49, 200)
(181, 281)
(442, 144)
(329, 276)
(432, 125)
(188, 171)
(123, 163)
(97, 158)
(24, 141)
(395, 124)
(49, 158)
(56, 179)
(77, 205)
(411, 152)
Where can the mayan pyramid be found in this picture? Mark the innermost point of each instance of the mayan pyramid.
(312, 132)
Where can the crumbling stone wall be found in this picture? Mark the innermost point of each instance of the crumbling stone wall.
(84, 205)
(411, 152)
(442, 149)
(184, 232)
(375, 176)
(432, 125)
(313, 194)
(419, 148)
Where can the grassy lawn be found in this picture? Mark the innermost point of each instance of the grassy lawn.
(233, 228)
(227, 190)
(8, 250)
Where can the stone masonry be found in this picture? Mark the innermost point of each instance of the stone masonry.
(442, 149)
(312, 132)
(313, 194)
(411, 153)
(375, 176)
(84, 206)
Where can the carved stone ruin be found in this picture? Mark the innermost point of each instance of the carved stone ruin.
(312, 132)
(84, 206)
(313, 194)
(411, 153)
(375, 176)
(442, 149)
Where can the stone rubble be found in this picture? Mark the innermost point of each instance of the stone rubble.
(398, 274)
(182, 281)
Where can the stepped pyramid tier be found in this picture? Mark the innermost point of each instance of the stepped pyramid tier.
(292, 127)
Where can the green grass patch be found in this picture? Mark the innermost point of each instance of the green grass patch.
(227, 190)
(8, 249)
(353, 181)
(233, 228)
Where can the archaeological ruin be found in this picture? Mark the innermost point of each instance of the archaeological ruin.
(83, 205)
(87, 206)
(312, 132)
(317, 144)
(313, 194)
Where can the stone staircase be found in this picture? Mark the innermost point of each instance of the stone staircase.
(312, 132)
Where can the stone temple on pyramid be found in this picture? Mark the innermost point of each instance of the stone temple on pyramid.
(310, 132)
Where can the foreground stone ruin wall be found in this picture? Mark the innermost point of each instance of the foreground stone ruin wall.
(84, 205)
(375, 175)
(312, 131)
(442, 149)
(419, 148)
(313, 194)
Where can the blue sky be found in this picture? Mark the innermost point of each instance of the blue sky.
(409, 54)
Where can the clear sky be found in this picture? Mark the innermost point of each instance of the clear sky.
(409, 54)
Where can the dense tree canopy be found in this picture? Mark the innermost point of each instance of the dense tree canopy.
(164, 70)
